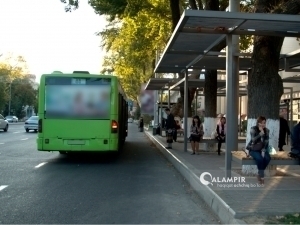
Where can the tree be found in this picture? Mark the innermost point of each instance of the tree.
(3, 87)
(136, 30)
(22, 94)
(11, 68)
(132, 46)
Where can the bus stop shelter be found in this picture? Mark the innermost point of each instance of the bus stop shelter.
(193, 39)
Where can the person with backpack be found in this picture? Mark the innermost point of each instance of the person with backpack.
(170, 126)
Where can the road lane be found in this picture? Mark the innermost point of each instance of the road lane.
(139, 186)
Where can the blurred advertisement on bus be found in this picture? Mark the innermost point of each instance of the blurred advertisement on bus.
(86, 101)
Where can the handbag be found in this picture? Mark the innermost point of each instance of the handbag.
(257, 146)
(214, 134)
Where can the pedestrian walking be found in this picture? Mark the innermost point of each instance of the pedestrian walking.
(141, 124)
(170, 126)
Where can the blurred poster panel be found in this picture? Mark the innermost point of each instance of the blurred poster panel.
(78, 101)
(147, 101)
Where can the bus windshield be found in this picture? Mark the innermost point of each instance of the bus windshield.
(78, 98)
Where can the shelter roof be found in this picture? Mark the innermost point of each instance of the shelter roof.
(198, 31)
(166, 83)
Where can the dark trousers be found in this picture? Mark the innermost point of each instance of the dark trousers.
(261, 162)
(175, 135)
(220, 141)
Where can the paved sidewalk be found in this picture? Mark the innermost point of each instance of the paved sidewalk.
(279, 195)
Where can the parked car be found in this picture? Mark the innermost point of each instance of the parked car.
(32, 124)
(130, 120)
(3, 123)
(12, 119)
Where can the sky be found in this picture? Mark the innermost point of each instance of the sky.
(49, 38)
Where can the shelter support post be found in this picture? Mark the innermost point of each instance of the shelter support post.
(196, 99)
(161, 112)
(232, 88)
(156, 108)
(169, 95)
(291, 100)
(156, 115)
(185, 115)
(290, 107)
(240, 117)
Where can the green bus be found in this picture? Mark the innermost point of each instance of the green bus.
(81, 112)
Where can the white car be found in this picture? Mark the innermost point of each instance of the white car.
(3, 123)
(32, 124)
(130, 120)
(12, 119)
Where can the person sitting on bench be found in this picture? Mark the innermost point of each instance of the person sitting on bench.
(258, 147)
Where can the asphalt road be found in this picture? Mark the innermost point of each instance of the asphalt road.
(139, 186)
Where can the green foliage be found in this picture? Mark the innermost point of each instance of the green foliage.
(12, 70)
(286, 219)
(22, 94)
(132, 45)
(70, 4)
(137, 29)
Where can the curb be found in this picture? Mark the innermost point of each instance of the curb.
(226, 214)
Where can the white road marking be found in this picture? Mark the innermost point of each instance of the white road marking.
(41, 164)
(2, 143)
(17, 132)
(24, 139)
(2, 187)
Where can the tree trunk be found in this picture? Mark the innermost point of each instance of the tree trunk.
(193, 4)
(265, 86)
(175, 10)
(191, 94)
(210, 87)
(210, 93)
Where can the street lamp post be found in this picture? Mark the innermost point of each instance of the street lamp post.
(9, 103)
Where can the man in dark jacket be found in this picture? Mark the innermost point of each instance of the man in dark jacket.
(295, 138)
(170, 126)
(283, 131)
